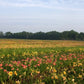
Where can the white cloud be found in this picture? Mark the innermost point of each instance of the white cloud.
(77, 5)
(25, 3)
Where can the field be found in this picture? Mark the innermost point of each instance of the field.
(41, 61)
(17, 43)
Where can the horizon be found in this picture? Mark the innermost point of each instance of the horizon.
(41, 15)
(42, 31)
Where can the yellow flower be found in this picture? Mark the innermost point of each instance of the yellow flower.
(24, 73)
(10, 73)
(42, 83)
(79, 64)
(64, 73)
(54, 70)
(20, 76)
(51, 67)
(80, 76)
(47, 68)
(74, 62)
(56, 77)
(61, 75)
(73, 80)
(2, 83)
(8, 55)
(15, 73)
(18, 82)
(37, 72)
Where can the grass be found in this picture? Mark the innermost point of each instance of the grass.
(18, 43)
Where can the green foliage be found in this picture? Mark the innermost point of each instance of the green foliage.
(52, 35)
(42, 65)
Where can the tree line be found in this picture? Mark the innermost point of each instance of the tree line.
(52, 35)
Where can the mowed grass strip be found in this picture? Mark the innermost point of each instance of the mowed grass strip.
(21, 43)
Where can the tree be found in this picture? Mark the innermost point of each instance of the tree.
(81, 36)
(8, 35)
(70, 35)
(53, 35)
(73, 35)
(39, 35)
(1, 34)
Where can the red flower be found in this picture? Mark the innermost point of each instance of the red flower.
(1, 65)
(60, 58)
(54, 63)
(24, 66)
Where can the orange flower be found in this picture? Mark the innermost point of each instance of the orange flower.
(52, 77)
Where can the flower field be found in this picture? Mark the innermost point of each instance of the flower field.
(42, 65)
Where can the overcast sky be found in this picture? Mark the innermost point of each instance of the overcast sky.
(41, 15)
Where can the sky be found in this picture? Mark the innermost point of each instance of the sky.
(41, 15)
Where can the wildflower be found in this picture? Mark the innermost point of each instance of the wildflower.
(20, 76)
(61, 75)
(47, 67)
(65, 59)
(56, 77)
(5, 70)
(42, 83)
(12, 69)
(80, 76)
(10, 73)
(24, 73)
(64, 73)
(38, 64)
(24, 66)
(35, 65)
(15, 73)
(81, 69)
(51, 67)
(74, 65)
(74, 62)
(60, 58)
(54, 63)
(72, 80)
(52, 77)
(79, 64)
(18, 82)
(10, 65)
(37, 72)
(8, 55)
(1, 65)
(54, 70)
(17, 69)
(74, 72)
(29, 65)
(2, 82)
(64, 78)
